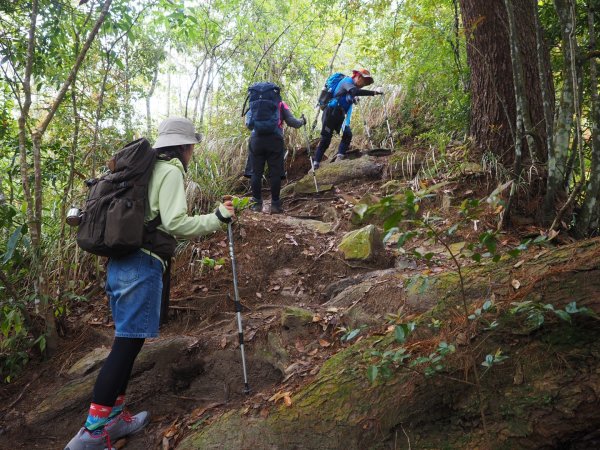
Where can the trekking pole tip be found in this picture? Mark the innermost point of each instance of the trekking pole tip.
(246, 389)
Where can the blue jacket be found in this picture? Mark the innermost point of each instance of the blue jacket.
(345, 94)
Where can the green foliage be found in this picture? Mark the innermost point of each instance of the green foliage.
(537, 313)
(384, 364)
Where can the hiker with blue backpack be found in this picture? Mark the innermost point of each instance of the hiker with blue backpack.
(265, 116)
(146, 193)
(336, 101)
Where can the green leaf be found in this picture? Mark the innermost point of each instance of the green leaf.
(352, 334)
(563, 315)
(12, 244)
(400, 333)
(372, 372)
(571, 308)
(361, 209)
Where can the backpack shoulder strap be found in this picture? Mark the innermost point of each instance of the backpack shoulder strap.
(244, 110)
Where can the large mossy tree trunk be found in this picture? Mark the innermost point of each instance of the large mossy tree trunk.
(493, 108)
(543, 396)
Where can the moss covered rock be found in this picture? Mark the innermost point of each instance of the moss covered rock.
(363, 245)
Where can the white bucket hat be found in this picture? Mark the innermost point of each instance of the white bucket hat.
(176, 131)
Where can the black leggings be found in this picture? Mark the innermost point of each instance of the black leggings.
(114, 376)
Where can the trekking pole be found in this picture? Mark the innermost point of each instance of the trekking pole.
(387, 122)
(238, 305)
(312, 163)
(366, 127)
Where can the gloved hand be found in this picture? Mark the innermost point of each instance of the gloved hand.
(379, 92)
(303, 119)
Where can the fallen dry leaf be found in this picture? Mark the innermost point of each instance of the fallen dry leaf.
(281, 395)
(324, 343)
(287, 399)
(264, 413)
(313, 352)
(199, 412)
(316, 318)
(519, 264)
(165, 444)
(516, 284)
(172, 430)
(224, 342)
(259, 295)
(299, 346)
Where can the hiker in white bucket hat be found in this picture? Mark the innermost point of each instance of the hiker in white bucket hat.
(137, 285)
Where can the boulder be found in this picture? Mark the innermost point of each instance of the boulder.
(363, 245)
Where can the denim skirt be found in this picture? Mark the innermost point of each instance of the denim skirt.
(134, 287)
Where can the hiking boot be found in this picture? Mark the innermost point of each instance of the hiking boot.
(315, 165)
(276, 208)
(256, 207)
(90, 440)
(125, 424)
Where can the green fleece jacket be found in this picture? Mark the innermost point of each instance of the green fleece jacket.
(166, 194)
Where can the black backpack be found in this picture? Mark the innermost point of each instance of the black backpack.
(264, 99)
(112, 222)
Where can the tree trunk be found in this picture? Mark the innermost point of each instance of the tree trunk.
(557, 160)
(545, 395)
(34, 199)
(148, 99)
(588, 221)
(209, 81)
(493, 109)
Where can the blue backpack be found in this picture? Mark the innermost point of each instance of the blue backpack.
(264, 99)
(328, 90)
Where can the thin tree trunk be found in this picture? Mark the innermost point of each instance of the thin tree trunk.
(98, 115)
(206, 89)
(189, 94)
(588, 222)
(24, 117)
(199, 93)
(148, 99)
(577, 99)
(128, 121)
(562, 130)
(547, 98)
(521, 108)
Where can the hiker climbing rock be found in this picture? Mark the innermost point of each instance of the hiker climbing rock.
(336, 99)
(265, 117)
(134, 285)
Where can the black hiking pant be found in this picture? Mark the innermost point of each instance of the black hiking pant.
(267, 148)
(333, 119)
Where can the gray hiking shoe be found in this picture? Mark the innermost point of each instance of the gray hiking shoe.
(276, 208)
(86, 440)
(125, 424)
(256, 205)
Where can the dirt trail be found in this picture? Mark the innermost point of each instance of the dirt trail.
(283, 261)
